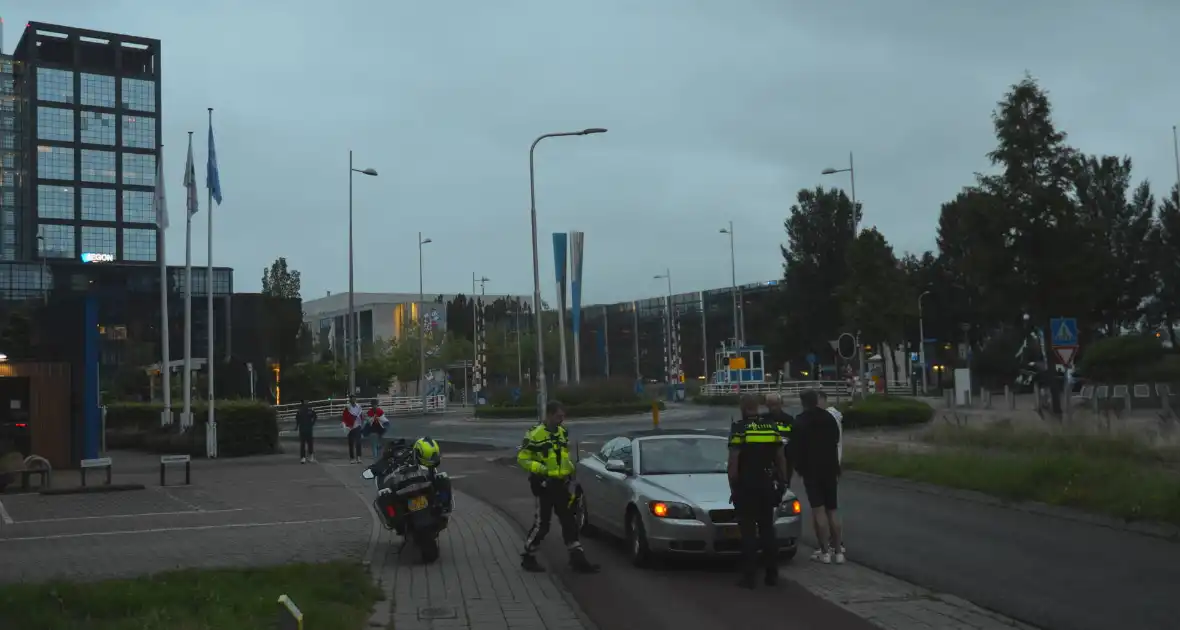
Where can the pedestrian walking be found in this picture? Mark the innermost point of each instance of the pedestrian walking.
(544, 454)
(352, 422)
(305, 418)
(839, 417)
(375, 425)
(757, 480)
(817, 441)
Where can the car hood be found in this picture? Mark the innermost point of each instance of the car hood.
(695, 488)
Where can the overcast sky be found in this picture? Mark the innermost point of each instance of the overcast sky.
(717, 110)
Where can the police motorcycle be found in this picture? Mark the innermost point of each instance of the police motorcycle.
(414, 498)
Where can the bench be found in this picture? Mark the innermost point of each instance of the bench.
(176, 460)
(36, 465)
(98, 462)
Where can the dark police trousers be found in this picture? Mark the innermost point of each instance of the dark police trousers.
(551, 495)
(755, 504)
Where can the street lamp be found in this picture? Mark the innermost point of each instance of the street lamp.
(738, 332)
(541, 389)
(667, 275)
(350, 327)
(922, 340)
(851, 170)
(421, 326)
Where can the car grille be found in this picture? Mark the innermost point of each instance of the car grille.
(723, 516)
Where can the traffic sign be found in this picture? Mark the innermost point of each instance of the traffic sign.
(1065, 354)
(851, 346)
(811, 358)
(1064, 331)
(835, 343)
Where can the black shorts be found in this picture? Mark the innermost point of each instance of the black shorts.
(821, 491)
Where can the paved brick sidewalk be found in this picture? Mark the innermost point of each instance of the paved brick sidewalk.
(476, 584)
(891, 603)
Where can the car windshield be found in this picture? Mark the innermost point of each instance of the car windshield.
(683, 456)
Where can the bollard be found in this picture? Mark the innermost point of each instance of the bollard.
(290, 618)
(655, 414)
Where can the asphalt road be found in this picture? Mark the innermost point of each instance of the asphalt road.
(1054, 573)
(673, 597)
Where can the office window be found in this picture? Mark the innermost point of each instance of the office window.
(98, 128)
(55, 85)
(221, 281)
(55, 123)
(139, 244)
(55, 241)
(139, 95)
(55, 202)
(138, 206)
(139, 132)
(139, 169)
(55, 163)
(98, 204)
(98, 166)
(98, 90)
(98, 240)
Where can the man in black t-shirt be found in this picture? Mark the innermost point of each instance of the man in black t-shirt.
(816, 437)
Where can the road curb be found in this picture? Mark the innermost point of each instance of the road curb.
(1155, 530)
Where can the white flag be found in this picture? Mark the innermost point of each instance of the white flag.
(190, 180)
(160, 201)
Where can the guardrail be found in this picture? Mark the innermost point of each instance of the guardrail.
(333, 408)
(838, 389)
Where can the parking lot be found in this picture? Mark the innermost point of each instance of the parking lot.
(247, 512)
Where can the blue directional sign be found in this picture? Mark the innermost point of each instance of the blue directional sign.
(1064, 331)
(811, 358)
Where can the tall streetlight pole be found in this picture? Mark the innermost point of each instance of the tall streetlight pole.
(1176, 151)
(922, 340)
(851, 170)
(738, 330)
(350, 326)
(541, 389)
(421, 325)
(667, 275)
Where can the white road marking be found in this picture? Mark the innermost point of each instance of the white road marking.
(4, 517)
(458, 476)
(145, 515)
(160, 530)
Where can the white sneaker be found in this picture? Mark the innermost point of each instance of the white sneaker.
(311, 459)
(839, 557)
(822, 556)
(302, 460)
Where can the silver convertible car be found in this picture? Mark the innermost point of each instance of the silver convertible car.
(667, 492)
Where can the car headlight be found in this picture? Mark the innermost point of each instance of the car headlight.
(671, 509)
(790, 507)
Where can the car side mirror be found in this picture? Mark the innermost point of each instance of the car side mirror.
(617, 466)
(367, 474)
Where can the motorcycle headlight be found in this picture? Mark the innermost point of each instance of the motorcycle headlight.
(671, 509)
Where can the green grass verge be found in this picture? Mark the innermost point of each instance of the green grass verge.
(337, 596)
(1101, 482)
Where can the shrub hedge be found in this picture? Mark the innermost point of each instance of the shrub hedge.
(884, 411)
(244, 427)
(571, 411)
(719, 400)
(597, 392)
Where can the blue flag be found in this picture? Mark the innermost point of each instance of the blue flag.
(212, 178)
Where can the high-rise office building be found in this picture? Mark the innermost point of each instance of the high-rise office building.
(88, 110)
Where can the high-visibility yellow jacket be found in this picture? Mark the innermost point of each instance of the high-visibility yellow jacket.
(545, 452)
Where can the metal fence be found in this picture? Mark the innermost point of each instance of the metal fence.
(836, 389)
(333, 408)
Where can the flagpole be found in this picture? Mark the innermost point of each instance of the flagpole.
(212, 424)
(162, 224)
(187, 416)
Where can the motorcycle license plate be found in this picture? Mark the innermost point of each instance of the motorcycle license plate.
(418, 503)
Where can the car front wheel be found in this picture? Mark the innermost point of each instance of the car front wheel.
(637, 540)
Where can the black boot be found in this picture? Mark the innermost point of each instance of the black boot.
(580, 564)
(529, 563)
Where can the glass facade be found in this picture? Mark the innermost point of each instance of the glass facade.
(10, 159)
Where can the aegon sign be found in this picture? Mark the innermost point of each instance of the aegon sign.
(92, 257)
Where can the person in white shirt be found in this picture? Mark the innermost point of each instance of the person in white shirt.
(823, 402)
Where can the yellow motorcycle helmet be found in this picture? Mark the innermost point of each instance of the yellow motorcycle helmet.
(427, 452)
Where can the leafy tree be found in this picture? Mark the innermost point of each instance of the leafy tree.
(975, 265)
(874, 297)
(819, 230)
(281, 286)
(280, 281)
(1164, 306)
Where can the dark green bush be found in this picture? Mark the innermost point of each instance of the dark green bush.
(596, 392)
(1122, 359)
(884, 411)
(244, 427)
(571, 411)
(719, 400)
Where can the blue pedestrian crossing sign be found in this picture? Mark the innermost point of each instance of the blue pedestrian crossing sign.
(1064, 331)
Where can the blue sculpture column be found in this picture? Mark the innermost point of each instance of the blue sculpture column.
(91, 418)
